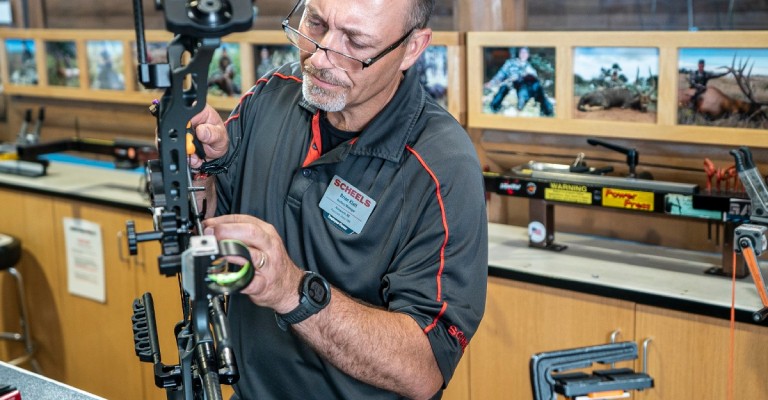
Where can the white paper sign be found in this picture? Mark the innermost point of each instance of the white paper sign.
(85, 259)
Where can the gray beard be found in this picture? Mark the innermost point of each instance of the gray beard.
(321, 98)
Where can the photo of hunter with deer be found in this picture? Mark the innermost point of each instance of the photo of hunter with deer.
(519, 81)
(615, 83)
(723, 88)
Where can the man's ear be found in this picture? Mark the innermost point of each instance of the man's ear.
(418, 42)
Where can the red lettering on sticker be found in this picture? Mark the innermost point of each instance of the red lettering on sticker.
(615, 195)
(636, 206)
(352, 192)
(459, 335)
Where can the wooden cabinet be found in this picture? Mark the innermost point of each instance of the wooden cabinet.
(82, 342)
(688, 356)
(29, 217)
(523, 319)
(97, 337)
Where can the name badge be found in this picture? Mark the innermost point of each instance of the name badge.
(345, 206)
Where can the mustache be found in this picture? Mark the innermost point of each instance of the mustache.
(323, 74)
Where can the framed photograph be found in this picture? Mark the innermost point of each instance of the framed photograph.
(61, 63)
(443, 74)
(432, 67)
(615, 83)
(267, 57)
(633, 85)
(723, 87)
(21, 60)
(106, 64)
(224, 76)
(519, 81)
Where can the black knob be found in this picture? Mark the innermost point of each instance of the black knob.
(130, 228)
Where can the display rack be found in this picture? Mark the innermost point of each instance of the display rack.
(27, 52)
(666, 72)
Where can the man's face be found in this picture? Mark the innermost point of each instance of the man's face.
(523, 54)
(701, 66)
(359, 28)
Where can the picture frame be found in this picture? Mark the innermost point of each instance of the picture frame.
(454, 99)
(62, 67)
(224, 71)
(267, 57)
(519, 81)
(106, 64)
(615, 83)
(664, 128)
(21, 55)
(723, 87)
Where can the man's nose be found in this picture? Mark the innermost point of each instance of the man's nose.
(320, 59)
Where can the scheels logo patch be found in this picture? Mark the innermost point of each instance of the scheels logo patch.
(345, 206)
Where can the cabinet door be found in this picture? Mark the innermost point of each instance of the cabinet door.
(688, 356)
(97, 337)
(523, 319)
(29, 217)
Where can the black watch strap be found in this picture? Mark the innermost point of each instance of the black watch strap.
(314, 295)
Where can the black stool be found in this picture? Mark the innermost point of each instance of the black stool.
(10, 254)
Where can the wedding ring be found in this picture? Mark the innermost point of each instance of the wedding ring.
(262, 261)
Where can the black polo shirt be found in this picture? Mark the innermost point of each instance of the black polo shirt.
(394, 217)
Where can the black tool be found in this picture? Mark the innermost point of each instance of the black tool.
(633, 158)
(546, 383)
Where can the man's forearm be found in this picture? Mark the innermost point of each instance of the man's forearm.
(385, 349)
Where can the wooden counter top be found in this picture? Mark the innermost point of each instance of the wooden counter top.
(113, 187)
(646, 274)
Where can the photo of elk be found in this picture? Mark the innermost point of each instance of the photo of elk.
(615, 83)
(723, 87)
(519, 81)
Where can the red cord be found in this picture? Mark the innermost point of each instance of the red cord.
(732, 344)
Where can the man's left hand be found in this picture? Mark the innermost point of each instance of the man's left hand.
(276, 279)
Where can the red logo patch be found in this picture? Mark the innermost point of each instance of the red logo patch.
(459, 335)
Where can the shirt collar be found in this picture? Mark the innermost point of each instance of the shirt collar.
(389, 131)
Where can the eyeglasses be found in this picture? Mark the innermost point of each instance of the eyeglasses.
(339, 60)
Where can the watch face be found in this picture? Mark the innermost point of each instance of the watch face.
(317, 291)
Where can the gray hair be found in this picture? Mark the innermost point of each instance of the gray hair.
(422, 11)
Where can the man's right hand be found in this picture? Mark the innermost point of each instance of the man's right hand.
(212, 134)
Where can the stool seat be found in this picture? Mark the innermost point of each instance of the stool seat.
(10, 251)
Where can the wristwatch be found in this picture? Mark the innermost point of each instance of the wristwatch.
(314, 295)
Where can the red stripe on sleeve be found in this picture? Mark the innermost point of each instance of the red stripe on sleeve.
(236, 116)
(437, 318)
(444, 218)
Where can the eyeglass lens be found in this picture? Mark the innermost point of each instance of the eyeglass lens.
(337, 59)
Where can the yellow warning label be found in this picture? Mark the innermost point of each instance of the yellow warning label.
(567, 193)
(629, 199)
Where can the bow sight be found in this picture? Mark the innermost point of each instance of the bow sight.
(205, 357)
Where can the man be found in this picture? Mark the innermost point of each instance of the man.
(342, 165)
(698, 80)
(520, 74)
